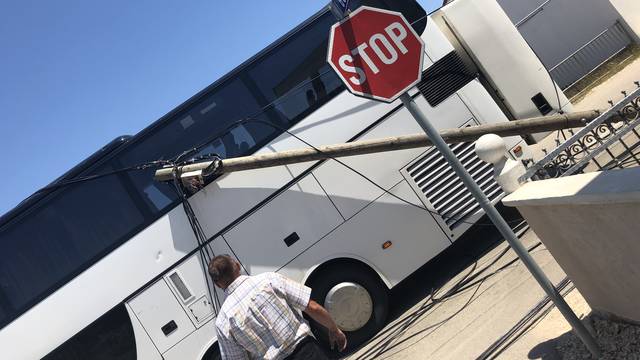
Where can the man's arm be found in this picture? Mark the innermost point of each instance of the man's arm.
(299, 296)
(321, 316)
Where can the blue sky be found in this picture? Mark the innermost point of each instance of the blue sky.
(74, 74)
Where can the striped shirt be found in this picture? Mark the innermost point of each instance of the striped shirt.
(261, 317)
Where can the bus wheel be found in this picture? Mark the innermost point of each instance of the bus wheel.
(357, 300)
(213, 353)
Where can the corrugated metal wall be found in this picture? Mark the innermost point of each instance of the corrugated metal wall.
(571, 37)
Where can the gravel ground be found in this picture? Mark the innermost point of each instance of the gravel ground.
(617, 341)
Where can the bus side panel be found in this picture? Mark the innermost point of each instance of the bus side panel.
(189, 295)
(346, 115)
(284, 227)
(350, 191)
(486, 111)
(415, 236)
(144, 346)
(232, 195)
(436, 44)
(336, 122)
(352, 195)
(101, 287)
(194, 345)
(161, 315)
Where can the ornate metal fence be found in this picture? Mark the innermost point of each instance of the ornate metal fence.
(610, 141)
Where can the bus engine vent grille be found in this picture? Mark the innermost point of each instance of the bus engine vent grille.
(444, 78)
(445, 191)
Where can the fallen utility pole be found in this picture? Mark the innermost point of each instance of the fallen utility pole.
(472, 133)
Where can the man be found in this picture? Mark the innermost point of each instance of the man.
(261, 319)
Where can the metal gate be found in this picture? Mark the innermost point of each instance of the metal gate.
(571, 37)
(610, 141)
(591, 55)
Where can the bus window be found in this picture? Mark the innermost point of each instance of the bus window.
(303, 100)
(159, 199)
(296, 78)
(205, 119)
(411, 10)
(242, 139)
(50, 244)
(216, 147)
(3, 305)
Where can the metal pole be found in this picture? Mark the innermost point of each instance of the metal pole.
(502, 225)
(391, 143)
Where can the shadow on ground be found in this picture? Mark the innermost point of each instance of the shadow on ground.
(546, 350)
(475, 243)
(616, 339)
(416, 288)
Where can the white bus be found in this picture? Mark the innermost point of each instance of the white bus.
(110, 268)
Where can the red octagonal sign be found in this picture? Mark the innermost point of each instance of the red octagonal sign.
(376, 53)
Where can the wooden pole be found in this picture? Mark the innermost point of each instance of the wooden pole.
(472, 133)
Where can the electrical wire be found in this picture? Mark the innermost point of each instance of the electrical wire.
(537, 313)
(179, 159)
(280, 100)
(59, 184)
(469, 281)
(371, 181)
(201, 238)
(465, 284)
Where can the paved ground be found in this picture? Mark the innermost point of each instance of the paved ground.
(467, 324)
(597, 97)
(471, 323)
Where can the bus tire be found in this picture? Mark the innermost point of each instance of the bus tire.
(358, 277)
(213, 353)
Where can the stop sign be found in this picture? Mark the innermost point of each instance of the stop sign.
(376, 53)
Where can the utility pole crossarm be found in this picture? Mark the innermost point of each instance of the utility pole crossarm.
(451, 136)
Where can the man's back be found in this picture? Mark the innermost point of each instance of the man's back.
(262, 316)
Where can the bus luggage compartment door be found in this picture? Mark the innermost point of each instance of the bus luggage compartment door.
(284, 227)
(163, 318)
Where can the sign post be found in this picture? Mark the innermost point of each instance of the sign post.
(378, 55)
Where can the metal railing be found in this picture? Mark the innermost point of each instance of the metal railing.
(601, 145)
(533, 13)
(590, 55)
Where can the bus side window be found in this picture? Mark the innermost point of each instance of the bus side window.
(242, 139)
(216, 147)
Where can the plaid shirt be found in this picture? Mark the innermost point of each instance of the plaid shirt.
(261, 318)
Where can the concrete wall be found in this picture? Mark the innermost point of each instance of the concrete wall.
(629, 11)
(562, 26)
(591, 225)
